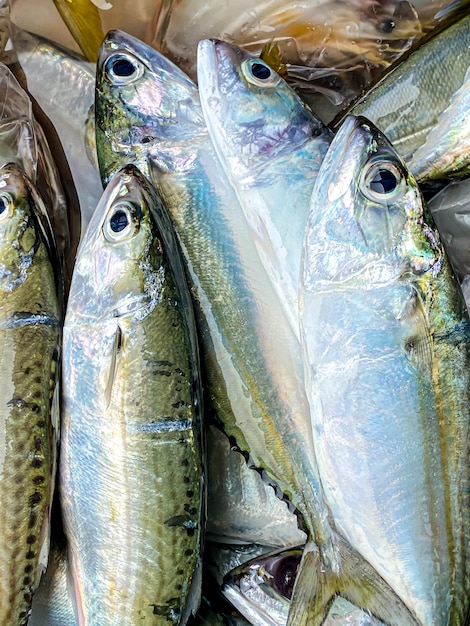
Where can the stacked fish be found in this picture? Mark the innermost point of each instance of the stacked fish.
(245, 270)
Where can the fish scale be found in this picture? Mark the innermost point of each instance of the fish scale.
(29, 342)
(132, 486)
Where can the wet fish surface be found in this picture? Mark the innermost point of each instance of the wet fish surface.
(131, 473)
(270, 145)
(387, 352)
(149, 111)
(30, 337)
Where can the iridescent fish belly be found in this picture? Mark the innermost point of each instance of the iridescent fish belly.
(131, 464)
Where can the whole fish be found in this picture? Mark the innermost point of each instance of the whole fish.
(30, 337)
(271, 146)
(131, 472)
(406, 104)
(387, 354)
(148, 112)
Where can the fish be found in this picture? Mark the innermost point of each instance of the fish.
(405, 103)
(387, 353)
(31, 314)
(262, 590)
(148, 112)
(444, 155)
(62, 82)
(270, 145)
(53, 600)
(131, 482)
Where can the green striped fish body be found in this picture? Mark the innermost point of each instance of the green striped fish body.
(131, 467)
(30, 332)
(148, 112)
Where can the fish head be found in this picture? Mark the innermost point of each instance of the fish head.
(142, 99)
(251, 113)
(366, 205)
(25, 231)
(119, 268)
(261, 589)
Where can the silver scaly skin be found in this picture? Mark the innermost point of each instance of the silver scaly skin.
(30, 336)
(131, 473)
(271, 146)
(148, 112)
(408, 102)
(387, 354)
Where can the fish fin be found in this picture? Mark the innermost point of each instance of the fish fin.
(316, 589)
(113, 366)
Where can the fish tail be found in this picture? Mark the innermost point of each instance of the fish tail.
(357, 581)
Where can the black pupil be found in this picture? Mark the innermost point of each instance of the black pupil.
(3, 204)
(119, 221)
(260, 71)
(285, 574)
(387, 26)
(123, 67)
(383, 182)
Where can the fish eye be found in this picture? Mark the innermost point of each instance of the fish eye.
(6, 206)
(284, 574)
(387, 26)
(259, 73)
(383, 180)
(122, 69)
(121, 222)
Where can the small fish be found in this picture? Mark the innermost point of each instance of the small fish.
(262, 590)
(148, 112)
(131, 472)
(387, 356)
(30, 340)
(271, 146)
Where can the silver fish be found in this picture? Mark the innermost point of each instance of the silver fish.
(387, 353)
(148, 112)
(30, 338)
(270, 145)
(131, 473)
(63, 84)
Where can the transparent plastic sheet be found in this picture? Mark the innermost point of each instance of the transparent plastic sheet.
(332, 49)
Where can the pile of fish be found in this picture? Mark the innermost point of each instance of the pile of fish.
(237, 380)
